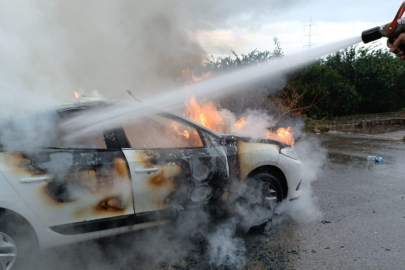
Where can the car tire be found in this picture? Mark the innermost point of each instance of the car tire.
(272, 189)
(271, 192)
(17, 238)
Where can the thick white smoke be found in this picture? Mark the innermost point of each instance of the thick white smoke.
(313, 157)
(225, 249)
(256, 123)
(55, 48)
(48, 49)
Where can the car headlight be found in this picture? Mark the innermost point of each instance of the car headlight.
(289, 152)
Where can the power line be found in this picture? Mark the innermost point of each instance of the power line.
(227, 34)
(243, 45)
(310, 27)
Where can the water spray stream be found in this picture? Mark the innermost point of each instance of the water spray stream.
(97, 120)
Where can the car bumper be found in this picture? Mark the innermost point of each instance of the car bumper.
(297, 195)
(292, 170)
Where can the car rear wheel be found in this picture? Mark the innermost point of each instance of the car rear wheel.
(18, 242)
(8, 251)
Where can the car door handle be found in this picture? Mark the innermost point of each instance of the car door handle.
(36, 179)
(146, 170)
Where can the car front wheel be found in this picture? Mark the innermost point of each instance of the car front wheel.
(258, 196)
(269, 195)
(271, 190)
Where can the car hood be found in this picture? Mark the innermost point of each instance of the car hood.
(252, 140)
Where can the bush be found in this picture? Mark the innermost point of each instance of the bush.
(352, 81)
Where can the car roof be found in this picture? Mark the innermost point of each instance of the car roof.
(80, 105)
(84, 105)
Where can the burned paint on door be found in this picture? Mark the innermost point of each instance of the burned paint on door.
(168, 178)
(157, 179)
(66, 186)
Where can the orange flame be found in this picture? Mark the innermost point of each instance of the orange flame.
(203, 76)
(203, 120)
(241, 123)
(187, 74)
(76, 94)
(206, 114)
(186, 134)
(284, 135)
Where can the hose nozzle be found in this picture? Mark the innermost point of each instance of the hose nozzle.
(391, 30)
(372, 34)
(387, 31)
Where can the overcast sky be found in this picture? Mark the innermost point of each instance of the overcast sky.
(56, 47)
(254, 25)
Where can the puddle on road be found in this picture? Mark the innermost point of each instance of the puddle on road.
(352, 150)
(377, 129)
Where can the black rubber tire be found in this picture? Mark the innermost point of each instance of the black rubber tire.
(271, 184)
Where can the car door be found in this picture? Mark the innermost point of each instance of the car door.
(170, 162)
(68, 182)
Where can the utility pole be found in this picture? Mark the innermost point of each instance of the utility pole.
(395, 89)
(355, 75)
(355, 83)
(310, 32)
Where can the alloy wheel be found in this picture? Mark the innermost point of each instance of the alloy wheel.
(270, 196)
(8, 252)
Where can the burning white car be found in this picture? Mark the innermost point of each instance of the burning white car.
(141, 174)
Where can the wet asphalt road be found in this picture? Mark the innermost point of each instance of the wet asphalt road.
(363, 206)
(363, 223)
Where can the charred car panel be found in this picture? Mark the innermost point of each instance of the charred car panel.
(65, 186)
(254, 155)
(84, 191)
(170, 178)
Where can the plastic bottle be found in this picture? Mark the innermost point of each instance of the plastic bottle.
(377, 159)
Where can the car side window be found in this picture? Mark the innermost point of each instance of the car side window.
(156, 131)
(87, 141)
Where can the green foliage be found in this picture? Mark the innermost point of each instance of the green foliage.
(353, 81)
(325, 91)
(254, 95)
(253, 57)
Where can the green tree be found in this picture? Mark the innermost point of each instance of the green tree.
(352, 81)
(324, 91)
(253, 57)
(253, 95)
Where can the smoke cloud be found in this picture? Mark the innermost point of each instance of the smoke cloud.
(313, 157)
(50, 49)
(54, 48)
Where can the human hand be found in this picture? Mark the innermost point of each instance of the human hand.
(397, 47)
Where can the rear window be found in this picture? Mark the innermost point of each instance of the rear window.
(91, 140)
